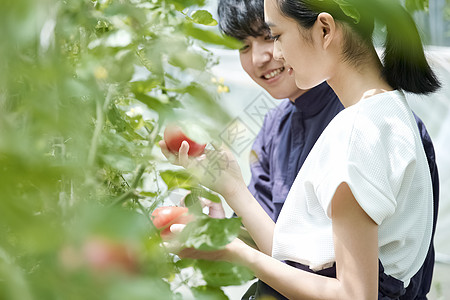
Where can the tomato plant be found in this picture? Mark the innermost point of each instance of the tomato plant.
(86, 88)
(174, 136)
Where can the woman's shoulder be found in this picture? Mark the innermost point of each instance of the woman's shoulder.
(382, 121)
(384, 116)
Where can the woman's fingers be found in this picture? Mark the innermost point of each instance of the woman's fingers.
(172, 158)
(164, 149)
(216, 210)
(183, 156)
(173, 246)
(177, 228)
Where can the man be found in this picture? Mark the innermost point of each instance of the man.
(290, 131)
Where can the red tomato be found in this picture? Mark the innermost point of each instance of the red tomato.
(102, 255)
(174, 136)
(165, 216)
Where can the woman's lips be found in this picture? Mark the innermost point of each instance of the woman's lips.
(290, 71)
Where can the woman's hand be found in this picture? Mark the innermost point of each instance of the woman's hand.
(219, 171)
(234, 252)
(215, 209)
(216, 169)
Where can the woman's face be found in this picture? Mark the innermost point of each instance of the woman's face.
(301, 49)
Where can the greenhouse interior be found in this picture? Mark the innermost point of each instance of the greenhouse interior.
(88, 90)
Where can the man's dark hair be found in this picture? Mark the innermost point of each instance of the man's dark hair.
(242, 18)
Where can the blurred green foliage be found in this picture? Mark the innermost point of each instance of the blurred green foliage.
(86, 88)
(416, 5)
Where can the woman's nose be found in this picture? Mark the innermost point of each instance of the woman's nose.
(277, 54)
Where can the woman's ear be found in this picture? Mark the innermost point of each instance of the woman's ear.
(327, 27)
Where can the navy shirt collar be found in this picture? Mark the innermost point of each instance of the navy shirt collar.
(314, 100)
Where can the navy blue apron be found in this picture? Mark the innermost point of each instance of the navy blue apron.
(389, 288)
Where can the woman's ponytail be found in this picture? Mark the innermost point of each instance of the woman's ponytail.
(405, 64)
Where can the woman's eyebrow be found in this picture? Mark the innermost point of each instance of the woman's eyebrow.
(270, 24)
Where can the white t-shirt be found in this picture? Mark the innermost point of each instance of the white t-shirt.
(375, 147)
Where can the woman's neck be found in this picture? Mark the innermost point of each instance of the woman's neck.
(351, 83)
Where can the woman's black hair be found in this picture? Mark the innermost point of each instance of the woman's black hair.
(404, 63)
(242, 18)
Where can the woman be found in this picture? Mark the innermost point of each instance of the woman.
(362, 202)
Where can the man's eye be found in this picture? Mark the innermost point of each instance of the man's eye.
(244, 48)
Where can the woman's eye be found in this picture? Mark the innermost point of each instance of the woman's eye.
(275, 37)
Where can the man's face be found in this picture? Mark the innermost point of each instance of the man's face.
(257, 60)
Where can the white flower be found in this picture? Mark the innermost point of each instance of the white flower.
(135, 112)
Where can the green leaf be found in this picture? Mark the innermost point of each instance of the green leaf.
(155, 104)
(211, 37)
(148, 194)
(192, 202)
(13, 284)
(221, 273)
(117, 120)
(416, 5)
(143, 87)
(210, 196)
(200, 191)
(185, 60)
(208, 293)
(140, 288)
(199, 92)
(119, 162)
(207, 233)
(182, 4)
(349, 10)
(203, 17)
(185, 263)
(178, 179)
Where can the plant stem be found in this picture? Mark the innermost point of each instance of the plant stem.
(99, 125)
(131, 193)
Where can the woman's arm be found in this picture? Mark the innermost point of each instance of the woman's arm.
(257, 222)
(356, 246)
(356, 249)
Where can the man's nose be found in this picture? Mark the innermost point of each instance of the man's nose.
(261, 54)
